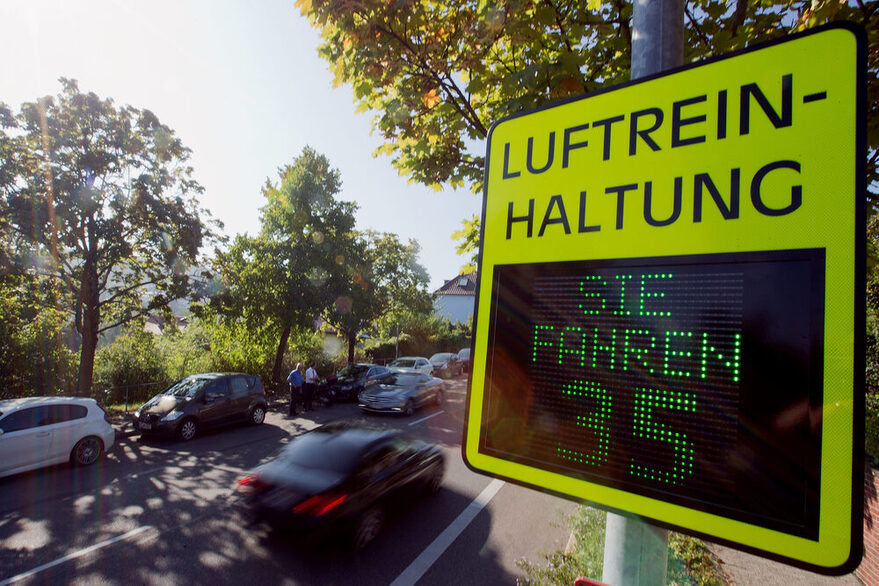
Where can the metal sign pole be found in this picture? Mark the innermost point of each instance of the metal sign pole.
(636, 553)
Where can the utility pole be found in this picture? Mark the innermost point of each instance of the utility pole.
(636, 553)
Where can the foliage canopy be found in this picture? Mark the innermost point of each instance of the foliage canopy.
(437, 74)
(99, 199)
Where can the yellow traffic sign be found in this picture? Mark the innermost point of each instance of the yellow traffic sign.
(670, 311)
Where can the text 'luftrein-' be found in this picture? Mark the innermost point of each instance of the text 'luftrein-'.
(772, 188)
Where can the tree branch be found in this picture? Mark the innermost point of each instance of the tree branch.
(122, 292)
(699, 32)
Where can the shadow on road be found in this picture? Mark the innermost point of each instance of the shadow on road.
(196, 531)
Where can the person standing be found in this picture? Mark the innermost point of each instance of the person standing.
(295, 380)
(311, 380)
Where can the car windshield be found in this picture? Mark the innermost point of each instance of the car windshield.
(187, 387)
(321, 451)
(441, 357)
(353, 371)
(404, 363)
(403, 379)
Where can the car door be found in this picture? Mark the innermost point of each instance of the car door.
(422, 390)
(239, 387)
(382, 474)
(423, 366)
(65, 422)
(217, 407)
(25, 441)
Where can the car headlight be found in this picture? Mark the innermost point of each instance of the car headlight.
(173, 416)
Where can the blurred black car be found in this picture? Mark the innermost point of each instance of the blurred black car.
(202, 401)
(341, 478)
(402, 392)
(352, 379)
(446, 364)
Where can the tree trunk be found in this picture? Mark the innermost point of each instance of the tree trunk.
(91, 319)
(279, 356)
(352, 338)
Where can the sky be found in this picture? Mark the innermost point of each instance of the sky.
(242, 85)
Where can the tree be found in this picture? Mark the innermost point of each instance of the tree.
(285, 276)
(103, 202)
(383, 277)
(437, 74)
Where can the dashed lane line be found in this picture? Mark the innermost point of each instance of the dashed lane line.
(426, 418)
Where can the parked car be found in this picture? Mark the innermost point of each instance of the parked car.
(203, 401)
(411, 364)
(349, 381)
(446, 364)
(41, 431)
(464, 357)
(402, 392)
(341, 477)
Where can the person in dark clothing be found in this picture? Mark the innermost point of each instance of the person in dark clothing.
(295, 380)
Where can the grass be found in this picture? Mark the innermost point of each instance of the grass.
(689, 561)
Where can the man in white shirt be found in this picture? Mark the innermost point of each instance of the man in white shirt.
(310, 386)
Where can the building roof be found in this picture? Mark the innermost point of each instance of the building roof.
(461, 285)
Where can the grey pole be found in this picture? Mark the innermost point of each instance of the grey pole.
(636, 553)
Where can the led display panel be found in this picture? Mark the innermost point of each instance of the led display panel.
(647, 374)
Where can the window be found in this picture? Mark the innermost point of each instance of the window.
(239, 385)
(379, 459)
(218, 389)
(25, 419)
(62, 413)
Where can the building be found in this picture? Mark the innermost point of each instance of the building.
(156, 325)
(456, 299)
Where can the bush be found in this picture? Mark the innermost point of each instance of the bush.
(34, 356)
(585, 559)
(130, 369)
(689, 561)
(236, 348)
(186, 352)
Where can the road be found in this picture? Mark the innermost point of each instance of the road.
(166, 513)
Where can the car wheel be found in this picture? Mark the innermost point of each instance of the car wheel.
(87, 451)
(409, 409)
(187, 430)
(369, 525)
(258, 415)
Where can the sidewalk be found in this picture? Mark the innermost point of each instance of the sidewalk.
(743, 568)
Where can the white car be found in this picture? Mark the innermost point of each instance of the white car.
(41, 431)
(411, 364)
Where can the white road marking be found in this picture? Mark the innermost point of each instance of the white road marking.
(432, 552)
(75, 555)
(426, 418)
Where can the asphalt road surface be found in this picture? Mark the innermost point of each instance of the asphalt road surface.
(164, 512)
